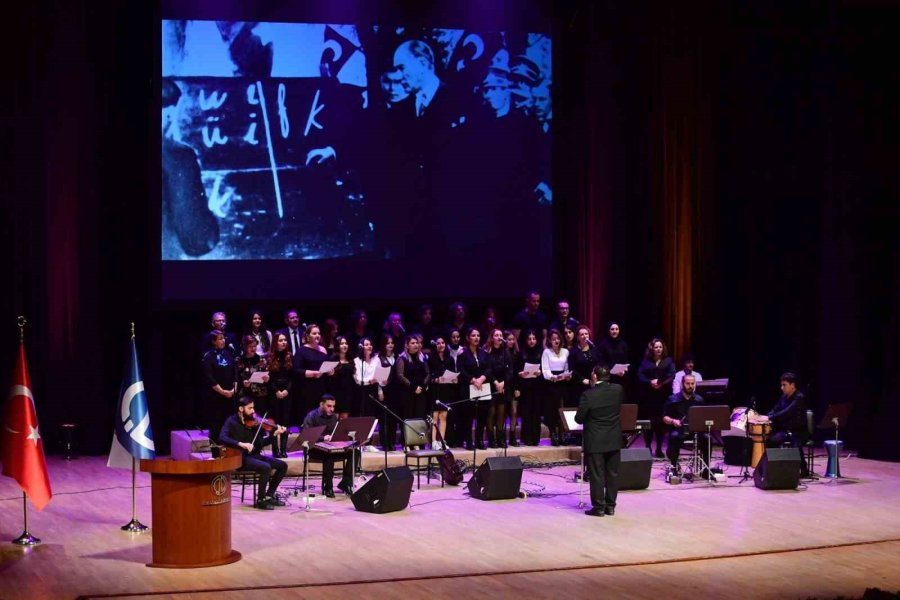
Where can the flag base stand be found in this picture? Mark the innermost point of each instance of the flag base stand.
(26, 539)
(134, 526)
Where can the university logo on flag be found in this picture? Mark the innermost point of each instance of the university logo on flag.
(133, 436)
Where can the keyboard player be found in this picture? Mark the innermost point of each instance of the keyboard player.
(324, 415)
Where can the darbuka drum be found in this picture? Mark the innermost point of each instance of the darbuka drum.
(759, 433)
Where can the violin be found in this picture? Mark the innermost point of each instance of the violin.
(266, 424)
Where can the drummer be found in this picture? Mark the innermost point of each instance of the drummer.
(675, 413)
(788, 418)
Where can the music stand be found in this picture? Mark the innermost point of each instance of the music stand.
(835, 416)
(304, 441)
(706, 419)
(363, 427)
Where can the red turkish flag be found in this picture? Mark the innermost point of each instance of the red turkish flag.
(21, 448)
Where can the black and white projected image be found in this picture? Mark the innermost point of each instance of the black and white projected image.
(314, 141)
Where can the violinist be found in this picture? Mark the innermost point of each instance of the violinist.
(245, 432)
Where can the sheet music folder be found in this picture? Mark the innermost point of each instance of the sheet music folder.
(310, 434)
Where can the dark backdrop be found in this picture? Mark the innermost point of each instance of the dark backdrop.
(724, 177)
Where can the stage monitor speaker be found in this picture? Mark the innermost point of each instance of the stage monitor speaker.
(498, 478)
(778, 469)
(634, 469)
(738, 450)
(386, 492)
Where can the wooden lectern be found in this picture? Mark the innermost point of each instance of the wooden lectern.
(191, 512)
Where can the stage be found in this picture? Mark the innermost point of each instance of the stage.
(689, 540)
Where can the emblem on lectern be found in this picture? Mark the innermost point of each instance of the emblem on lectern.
(219, 485)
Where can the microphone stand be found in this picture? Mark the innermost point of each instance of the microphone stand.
(388, 411)
(486, 397)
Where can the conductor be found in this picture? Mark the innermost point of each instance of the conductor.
(598, 411)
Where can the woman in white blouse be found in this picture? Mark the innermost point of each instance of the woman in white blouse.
(554, 367)
(364, 376)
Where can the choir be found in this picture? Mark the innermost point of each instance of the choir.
(521, 376)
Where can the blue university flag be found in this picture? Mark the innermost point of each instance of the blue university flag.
(133, 436)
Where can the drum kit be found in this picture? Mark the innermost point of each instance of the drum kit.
(756, 426)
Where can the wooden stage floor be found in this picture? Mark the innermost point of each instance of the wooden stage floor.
(686, 541)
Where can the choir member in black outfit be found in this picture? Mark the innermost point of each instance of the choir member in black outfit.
(220, 382)
(788, 418)
(529, 385)
(324, 415)
(655, 377)
(281, 379)
(425, 326)
(474, 370)
(490, 320)
(248, 363)
(413, 379)
(394, 327)
(512, 406)
(440, 361)
(307, 363)
(500, 365)
(583, 357)
(256, 326)
(359, 329)
(531, 318)
(220, 323)
(675, 414)
(341, 385)
(614, 351)
(294, 332)
(364, 378)
(458, 318)
(569, 340)
(235, 433)
(387, 392)
(329, 334)
(563, 318)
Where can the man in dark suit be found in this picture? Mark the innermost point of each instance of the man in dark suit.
(598, 411)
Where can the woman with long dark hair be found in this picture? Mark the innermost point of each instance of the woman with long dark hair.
(474, 371)
(364, 377)
(341, 385)
(281, 370)
(512, 404)
(256, 326)
(529, 384)
(655, 377)
(500, 364)
(440, 361)
(387, 392)
(555, 369)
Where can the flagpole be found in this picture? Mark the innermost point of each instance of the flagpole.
(134, 526)
(26, 539)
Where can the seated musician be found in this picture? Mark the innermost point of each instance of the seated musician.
(324, 415)
(788, 418)
(241, 431)
(675, 414)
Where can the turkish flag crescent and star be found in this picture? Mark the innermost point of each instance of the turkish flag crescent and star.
(21, 447)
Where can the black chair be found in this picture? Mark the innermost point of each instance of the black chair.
(416, 435)
(246, 477)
